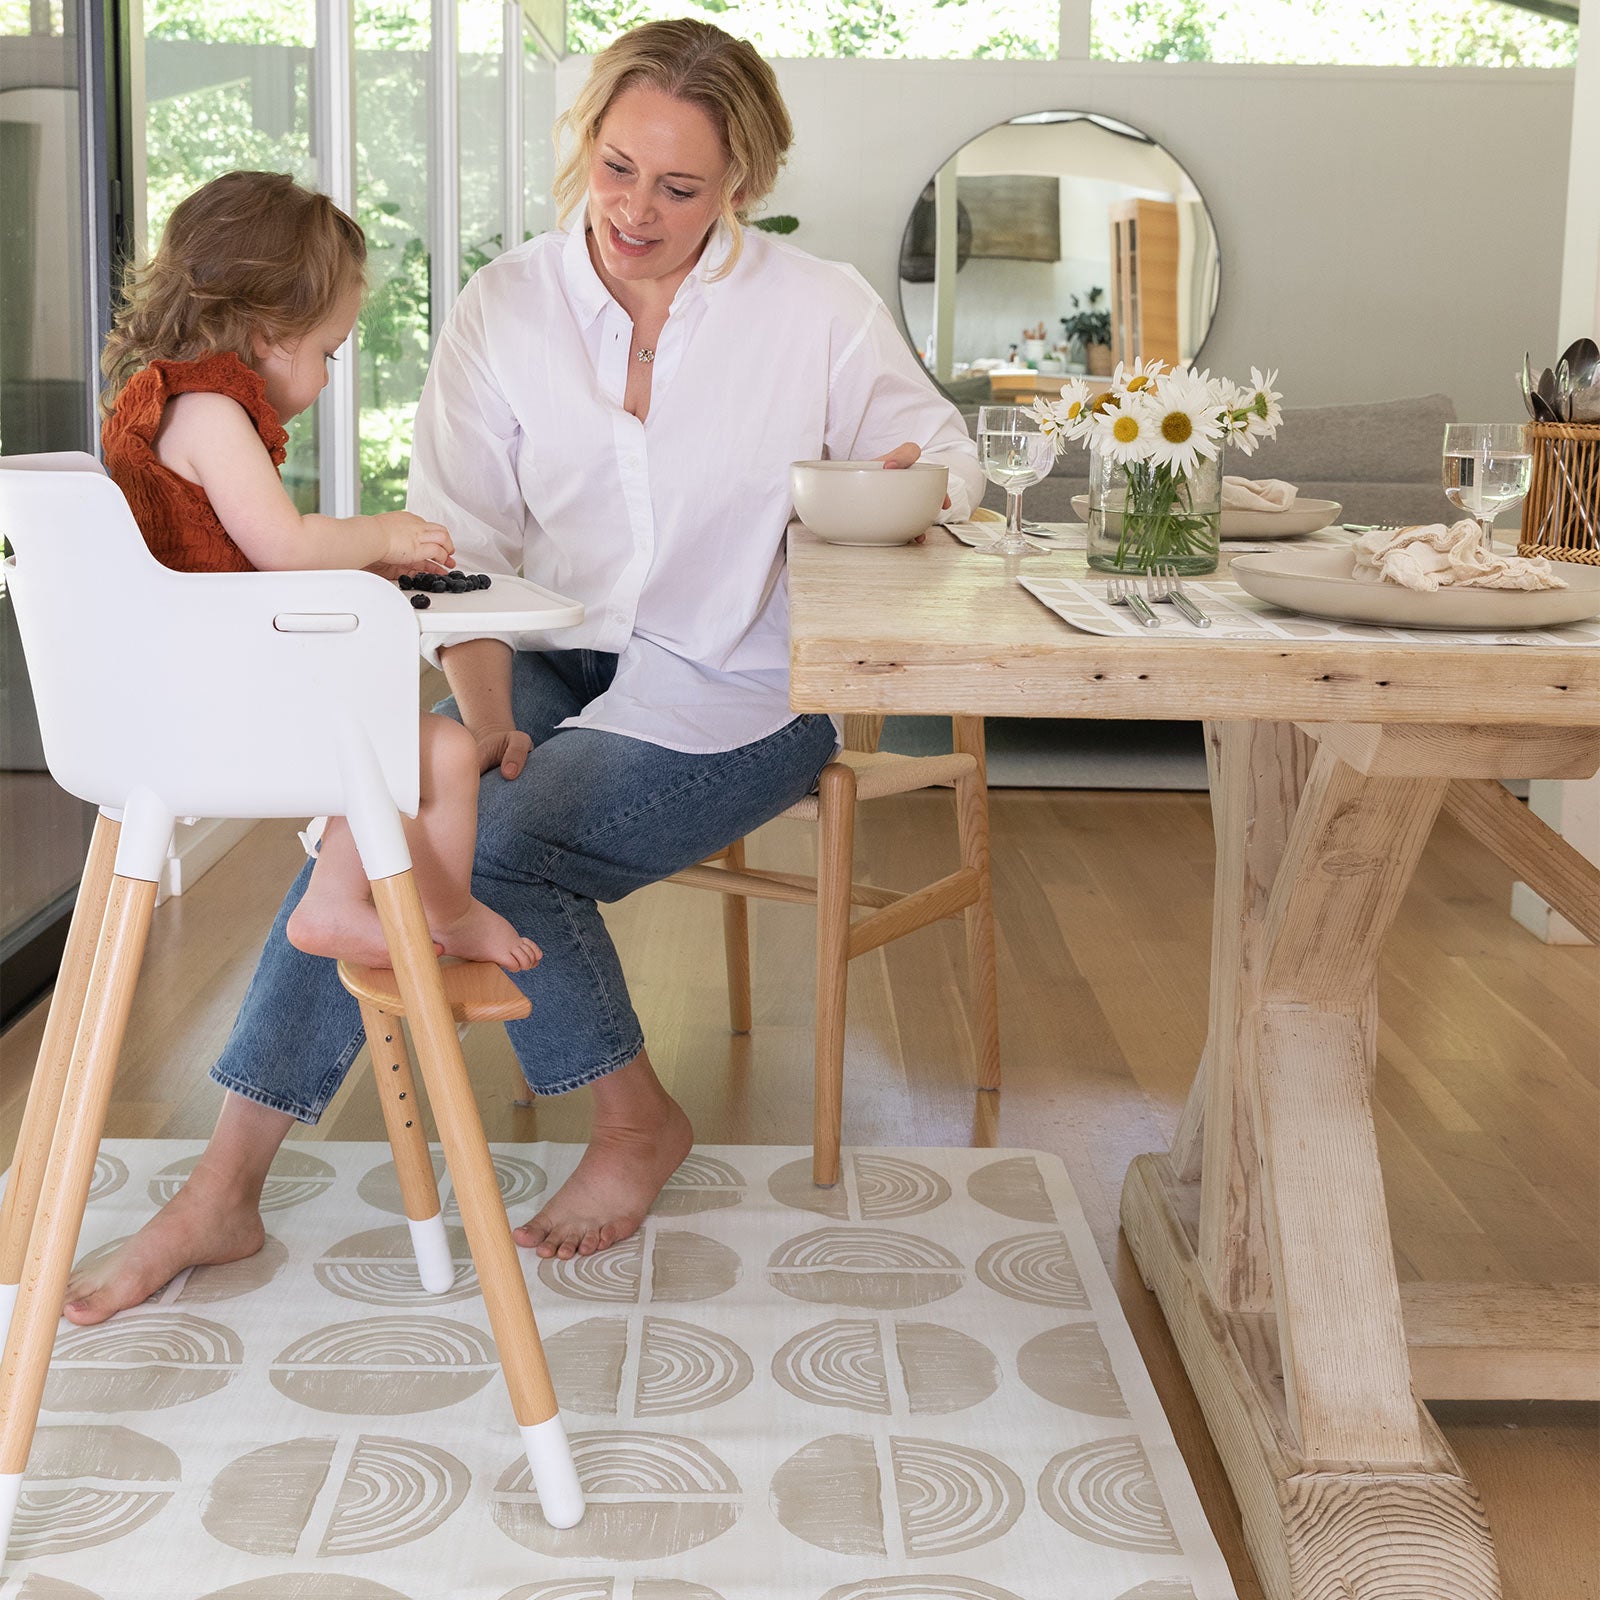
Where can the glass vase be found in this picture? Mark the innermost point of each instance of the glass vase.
(1142, 516)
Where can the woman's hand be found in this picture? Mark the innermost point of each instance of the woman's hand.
(907, 455)
(505, 748)
(414, 545)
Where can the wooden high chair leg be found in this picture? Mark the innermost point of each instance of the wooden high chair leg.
(736, 942)
(836, 818)
(483, 1212)
(972, 822)
(69, 1171)
(55, 1055)
(408, 1139)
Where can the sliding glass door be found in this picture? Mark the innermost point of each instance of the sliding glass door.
(46, 403)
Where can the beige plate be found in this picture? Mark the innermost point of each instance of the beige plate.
(1319, 583)
(1304, 516)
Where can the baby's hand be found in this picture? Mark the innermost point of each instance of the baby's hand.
(415, 545)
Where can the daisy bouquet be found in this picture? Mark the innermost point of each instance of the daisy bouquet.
(1155, 440)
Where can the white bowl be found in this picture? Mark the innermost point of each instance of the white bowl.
(862, 502)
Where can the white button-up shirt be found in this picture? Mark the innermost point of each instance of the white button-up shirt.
(670, 530)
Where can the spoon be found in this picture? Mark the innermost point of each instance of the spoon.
(1546, 391)
(1527, 385)
(1582, 357)
(1564, 390)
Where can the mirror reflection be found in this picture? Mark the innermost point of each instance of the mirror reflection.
(1057, 243)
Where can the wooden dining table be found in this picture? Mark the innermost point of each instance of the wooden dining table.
(1263, 1230)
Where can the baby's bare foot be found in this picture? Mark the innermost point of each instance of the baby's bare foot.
(195, 1228)
(348, 930)
(480, 934)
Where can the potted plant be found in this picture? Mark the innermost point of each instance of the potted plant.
(1091, 328)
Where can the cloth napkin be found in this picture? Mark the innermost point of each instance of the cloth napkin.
(1430, 556)
(1257, 494)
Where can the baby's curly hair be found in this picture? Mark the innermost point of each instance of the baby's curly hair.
(250, 255)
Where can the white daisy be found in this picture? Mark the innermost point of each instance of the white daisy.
(1263, 401)
(1073, 408)
(1051, 425)
(1123, 432)
(1236, 417)
(1184, 428)
(1141, 375)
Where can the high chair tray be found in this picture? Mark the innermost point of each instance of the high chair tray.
(515, 604)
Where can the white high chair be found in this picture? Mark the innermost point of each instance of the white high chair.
(263, 694)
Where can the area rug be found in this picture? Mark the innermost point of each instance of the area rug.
(917, 1385)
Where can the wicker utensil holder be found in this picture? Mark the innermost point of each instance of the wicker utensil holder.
(1561, 514)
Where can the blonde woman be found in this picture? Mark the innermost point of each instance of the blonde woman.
(612, 410)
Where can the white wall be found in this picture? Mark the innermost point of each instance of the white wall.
(1384, 231)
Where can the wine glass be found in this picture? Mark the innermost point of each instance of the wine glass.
(1487, 467)
(1014, 453)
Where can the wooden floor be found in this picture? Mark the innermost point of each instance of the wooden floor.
(1488, 1090)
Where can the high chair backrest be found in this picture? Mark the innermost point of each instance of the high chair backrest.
(224, 694)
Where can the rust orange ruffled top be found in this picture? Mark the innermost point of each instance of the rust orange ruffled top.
(173, 514)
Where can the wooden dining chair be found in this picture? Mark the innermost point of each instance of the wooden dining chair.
(859, 773)
(162, 694)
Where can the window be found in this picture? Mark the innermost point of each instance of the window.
(1014, 29)
(1424, 33)
(229, 87)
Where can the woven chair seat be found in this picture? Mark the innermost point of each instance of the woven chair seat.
(878, 773)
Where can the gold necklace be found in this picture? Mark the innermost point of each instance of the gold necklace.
(645, 355)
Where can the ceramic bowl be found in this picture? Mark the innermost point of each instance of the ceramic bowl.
(861, 502)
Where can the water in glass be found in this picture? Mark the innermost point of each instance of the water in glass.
(1487, 467)
(1014, 454)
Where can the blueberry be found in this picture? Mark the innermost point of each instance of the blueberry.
(421, 602)
(405, 580)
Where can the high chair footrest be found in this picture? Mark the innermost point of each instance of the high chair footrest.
(478, 991)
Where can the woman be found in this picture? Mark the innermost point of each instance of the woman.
(612, 410)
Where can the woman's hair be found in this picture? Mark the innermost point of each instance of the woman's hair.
(250, 255)
(702, 66)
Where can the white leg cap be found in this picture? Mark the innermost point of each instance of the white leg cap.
(555, 1479)
(8, 1301)
(10, 1493)
(434, 1266)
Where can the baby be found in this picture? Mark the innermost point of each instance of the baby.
(224, 334)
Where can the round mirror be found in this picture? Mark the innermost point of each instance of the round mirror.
(1054, 244)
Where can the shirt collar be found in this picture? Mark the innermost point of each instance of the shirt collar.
(590, 296)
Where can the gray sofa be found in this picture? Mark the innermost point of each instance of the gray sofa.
(1379, 460)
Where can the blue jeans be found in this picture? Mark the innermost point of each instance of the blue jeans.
(591, 817)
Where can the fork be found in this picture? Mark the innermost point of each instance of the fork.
(1125, 592)
(1164, 585)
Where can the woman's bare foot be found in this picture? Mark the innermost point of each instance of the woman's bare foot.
(480, 934)
(640, 1138)
(200, 1226)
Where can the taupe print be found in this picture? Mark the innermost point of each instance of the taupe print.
(379, 1268)
(875, 1188)
(933, 1587)
(649, 1496)
(897, 1389)
(843, 1363)
(702, 1183)
(88, 1485)
(1105, 1492)
(294, 1178)
(676, 1367)
(1069, 1367)
(876, 1268)
(331, 1497)
(386, 1366)
(1037, 1268)
(1014, 1188)
(904, 1498)
(614, 1589)
(144, 1361)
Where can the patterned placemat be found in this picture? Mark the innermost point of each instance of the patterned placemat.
(917, 1385)
(1237, 615)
